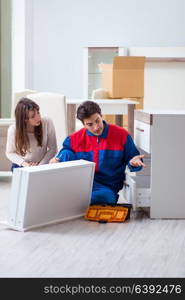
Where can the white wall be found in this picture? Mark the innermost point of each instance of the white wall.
(164, 86)
(18, 45)
(57, 31)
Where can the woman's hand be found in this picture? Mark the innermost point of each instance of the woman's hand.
(29, 164)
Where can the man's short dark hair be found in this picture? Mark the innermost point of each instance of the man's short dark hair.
(87, 109)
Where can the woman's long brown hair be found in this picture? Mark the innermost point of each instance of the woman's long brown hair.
(21, 116)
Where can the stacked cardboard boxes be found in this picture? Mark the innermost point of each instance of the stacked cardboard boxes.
(124, 79)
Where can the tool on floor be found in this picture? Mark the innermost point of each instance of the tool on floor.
(108, 213)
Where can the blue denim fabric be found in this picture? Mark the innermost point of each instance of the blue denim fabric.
(15, 166)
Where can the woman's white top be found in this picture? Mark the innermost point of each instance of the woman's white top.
(38, 154)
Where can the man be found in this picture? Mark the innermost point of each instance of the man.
(109, 146)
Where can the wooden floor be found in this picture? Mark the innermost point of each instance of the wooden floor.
(141, 247)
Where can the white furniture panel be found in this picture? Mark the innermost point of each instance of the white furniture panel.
(142, 135)
(167, 161)
(5, 164)
(137, 191)
(159, 53)
(49, 194)
(164, 86)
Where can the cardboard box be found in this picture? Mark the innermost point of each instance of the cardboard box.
(125, 77)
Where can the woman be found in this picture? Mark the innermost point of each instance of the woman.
(32, 140)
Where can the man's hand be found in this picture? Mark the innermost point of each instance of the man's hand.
(136, 161)
(54, 160)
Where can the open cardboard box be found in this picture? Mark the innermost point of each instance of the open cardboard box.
(124, 79)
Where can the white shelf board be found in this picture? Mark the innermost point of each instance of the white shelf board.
(5, 174)
(159, 54)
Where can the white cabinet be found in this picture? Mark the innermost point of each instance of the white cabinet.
(93, 56)
(162, 137)
(137, 191)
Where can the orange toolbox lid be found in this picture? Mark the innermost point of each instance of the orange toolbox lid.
(108, 213)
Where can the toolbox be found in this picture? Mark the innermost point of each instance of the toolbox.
(108, 213)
